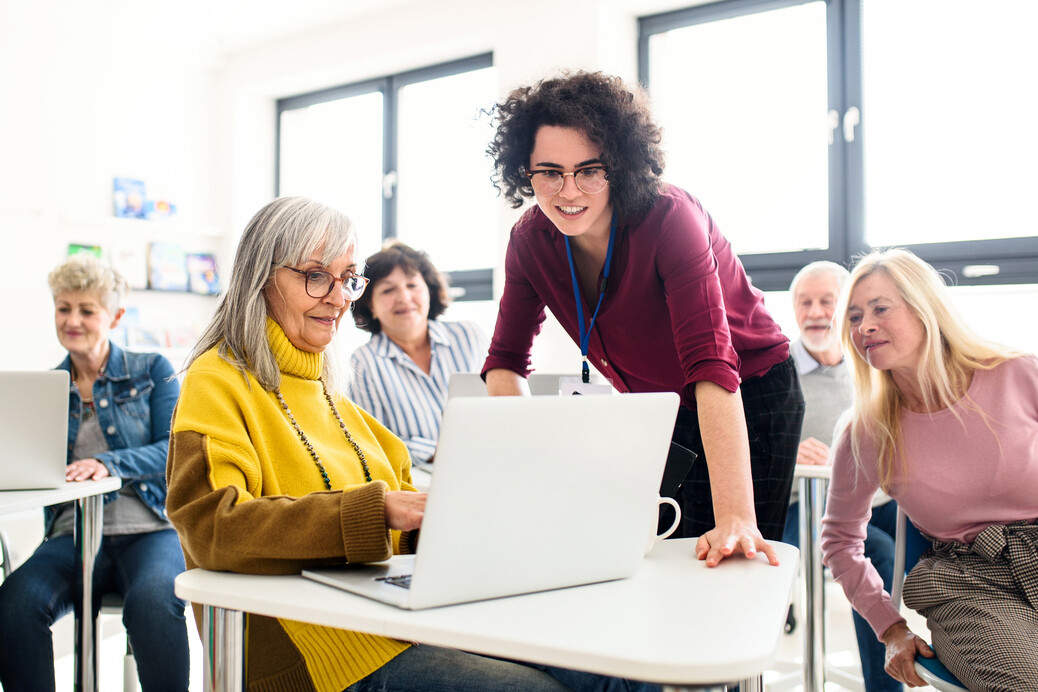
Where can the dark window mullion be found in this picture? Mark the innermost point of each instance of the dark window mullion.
(854, 184)
(837, 99)
(390, 111)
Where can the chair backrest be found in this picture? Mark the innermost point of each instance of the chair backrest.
(909, 547)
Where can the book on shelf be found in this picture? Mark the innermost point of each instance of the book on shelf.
(167, 267)
(202, 275)
(83, 249)
(130, 260)
(128, 198)
(181, 337)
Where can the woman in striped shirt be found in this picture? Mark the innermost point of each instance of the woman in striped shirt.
(400, 376)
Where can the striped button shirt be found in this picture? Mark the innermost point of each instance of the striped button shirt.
(390, 386)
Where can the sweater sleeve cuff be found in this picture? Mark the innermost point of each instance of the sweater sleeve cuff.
(409, 542)
(364, 532)
(882, 616)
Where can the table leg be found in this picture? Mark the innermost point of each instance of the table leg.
(752, 684)
(223, 647)
(811, 494)
(87, 537)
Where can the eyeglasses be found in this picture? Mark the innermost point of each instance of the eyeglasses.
(589, 180)
(319, 284)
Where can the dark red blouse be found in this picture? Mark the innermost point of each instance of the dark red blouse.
(678, 309)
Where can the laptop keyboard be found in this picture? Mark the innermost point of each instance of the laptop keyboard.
(401, 580)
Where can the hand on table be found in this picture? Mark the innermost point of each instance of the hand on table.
(731, 537)
(902, 646)
(86, 470)
(405, 510)
(813, 453)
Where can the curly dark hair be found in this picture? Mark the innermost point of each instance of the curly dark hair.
(380, 265)
(615, 118)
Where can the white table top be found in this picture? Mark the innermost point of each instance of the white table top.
(675, 621)
(813, 471)
(12, 501)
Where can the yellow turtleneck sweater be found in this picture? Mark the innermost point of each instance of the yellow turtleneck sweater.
(246, 496)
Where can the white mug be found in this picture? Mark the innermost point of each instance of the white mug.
(654, 538)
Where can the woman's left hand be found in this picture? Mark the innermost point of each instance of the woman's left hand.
(86, 470)
(731, 537)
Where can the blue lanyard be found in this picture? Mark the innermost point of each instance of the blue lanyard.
(585, 336)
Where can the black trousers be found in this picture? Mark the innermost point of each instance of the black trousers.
(774, 408)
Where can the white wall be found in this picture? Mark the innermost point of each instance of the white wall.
(89, 96)
(91, 92)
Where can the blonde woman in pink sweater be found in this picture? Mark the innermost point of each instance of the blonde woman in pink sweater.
(947, 424)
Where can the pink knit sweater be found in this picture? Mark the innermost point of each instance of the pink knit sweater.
(954, 477)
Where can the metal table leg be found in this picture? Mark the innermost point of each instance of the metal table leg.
(811, 495)
(87, 537)
(223, 644)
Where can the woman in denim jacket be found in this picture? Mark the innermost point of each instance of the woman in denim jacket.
(120, 406)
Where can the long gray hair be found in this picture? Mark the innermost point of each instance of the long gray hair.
(285, 232)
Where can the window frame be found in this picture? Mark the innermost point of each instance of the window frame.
(470, 284)
(1016, 258)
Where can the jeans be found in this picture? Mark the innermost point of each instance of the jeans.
(879, 548)
(140, 566)
(435, 669)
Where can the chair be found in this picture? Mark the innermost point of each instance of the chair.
(112, 604)
(909, 547)
(5, 555)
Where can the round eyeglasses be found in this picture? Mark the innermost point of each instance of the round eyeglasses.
(319, 284)
(590, 180)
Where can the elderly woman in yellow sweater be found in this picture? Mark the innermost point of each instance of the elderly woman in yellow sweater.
(273, 470)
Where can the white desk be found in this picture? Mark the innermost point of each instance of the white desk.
(675, 622)
(87, 496)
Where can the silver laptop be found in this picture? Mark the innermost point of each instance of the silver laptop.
(529, 494)
(464, 384)
(33, 429)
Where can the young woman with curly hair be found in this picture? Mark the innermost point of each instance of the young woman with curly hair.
(639, 276)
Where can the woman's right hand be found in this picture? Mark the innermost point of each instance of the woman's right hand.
(902, 646)
(405, 509)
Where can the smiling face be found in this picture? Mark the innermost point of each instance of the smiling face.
(573, 212)
(814, 305)
(400, 302)
(83, 323)
(309, 323)
(884, 329)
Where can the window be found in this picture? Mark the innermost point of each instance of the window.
(818, 129)
(404, 157)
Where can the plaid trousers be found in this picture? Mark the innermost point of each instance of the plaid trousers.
(980, 601)
(774, 407)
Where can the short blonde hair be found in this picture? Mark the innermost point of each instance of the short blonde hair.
(87, 273)
(951, 353)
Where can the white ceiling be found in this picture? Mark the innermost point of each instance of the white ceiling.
(243, 22)
(220, 26)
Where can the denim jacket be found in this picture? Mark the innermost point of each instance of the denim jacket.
(134, 401)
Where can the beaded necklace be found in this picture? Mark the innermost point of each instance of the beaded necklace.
(310, 447)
